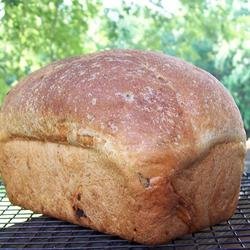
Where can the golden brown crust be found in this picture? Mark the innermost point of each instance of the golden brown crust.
(144, 101)
(155, 131)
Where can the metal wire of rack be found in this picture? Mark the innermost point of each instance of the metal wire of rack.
(21, 228)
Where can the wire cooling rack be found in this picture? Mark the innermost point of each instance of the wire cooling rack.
(21, 228)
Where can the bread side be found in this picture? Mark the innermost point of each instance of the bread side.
(84, 187)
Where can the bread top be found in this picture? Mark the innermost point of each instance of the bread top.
(132, 105)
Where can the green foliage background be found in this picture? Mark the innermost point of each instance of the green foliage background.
(214, 35)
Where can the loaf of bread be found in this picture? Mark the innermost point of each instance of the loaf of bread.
(132, 143)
